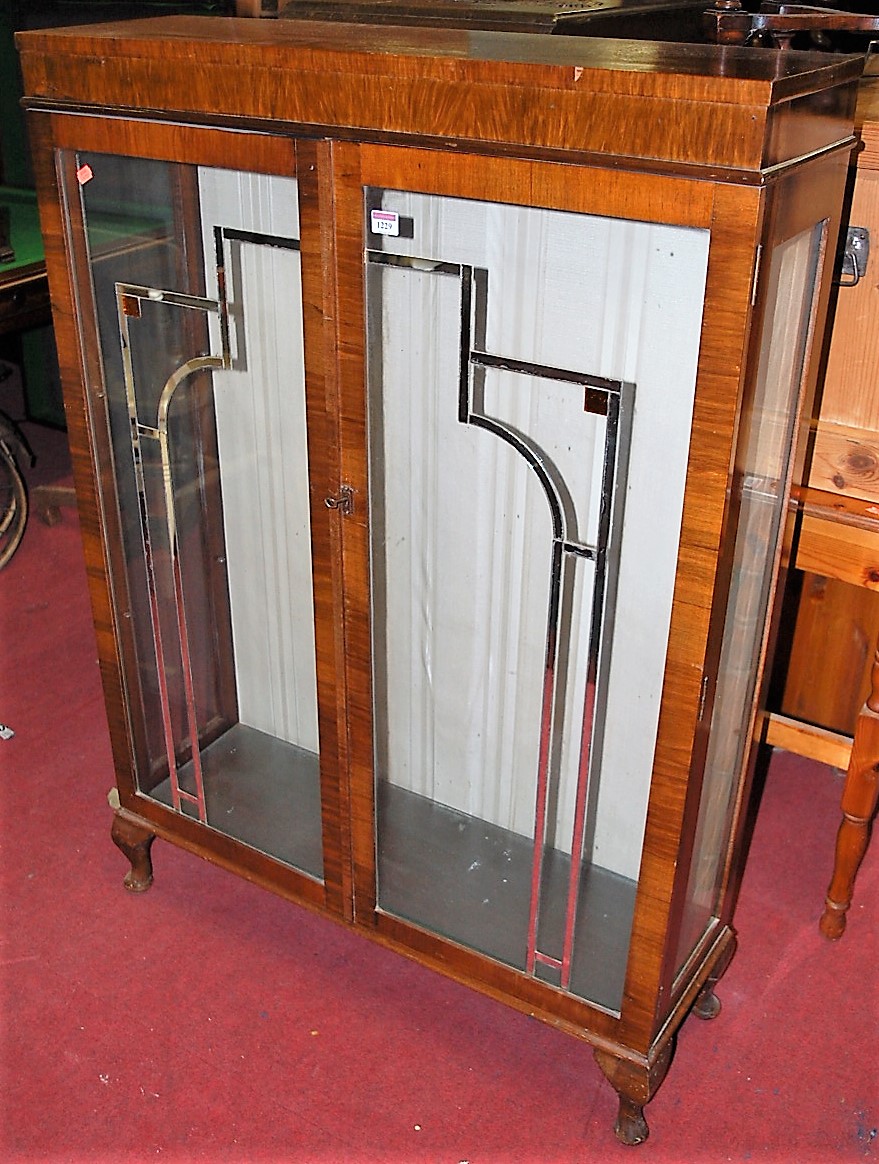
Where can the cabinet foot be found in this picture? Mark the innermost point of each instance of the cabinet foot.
(135, 841)
(708, 1005)
(635, 1084)
(631, 1127)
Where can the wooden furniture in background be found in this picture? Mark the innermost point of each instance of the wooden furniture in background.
(25, 313)
(839, 535)
(651, 20)
(837, 551)
(256, 8)
(859, 800)
(830, 673)
(845, 461)
(434, 446)
(24, 288)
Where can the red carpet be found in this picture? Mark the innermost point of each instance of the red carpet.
(210, 1021)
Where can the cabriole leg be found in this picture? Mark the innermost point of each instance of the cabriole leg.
(707, 1004)
(135, 841)
(635, 1084)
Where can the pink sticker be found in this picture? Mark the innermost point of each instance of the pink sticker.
(384, 222)
(84, 174)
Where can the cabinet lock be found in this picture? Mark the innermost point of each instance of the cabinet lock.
(344, 502)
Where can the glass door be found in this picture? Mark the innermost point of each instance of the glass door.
(194, 275)
(761, 485)
(528, 371)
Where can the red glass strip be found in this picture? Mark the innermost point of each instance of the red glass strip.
(579, 829)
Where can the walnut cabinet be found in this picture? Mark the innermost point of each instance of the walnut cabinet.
(434, 401)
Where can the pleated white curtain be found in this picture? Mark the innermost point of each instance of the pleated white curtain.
(260, 413)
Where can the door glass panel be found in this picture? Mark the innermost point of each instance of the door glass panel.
(761, 484)
(527, 370)
(196, 282)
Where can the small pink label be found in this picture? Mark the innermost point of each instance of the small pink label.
(384, 222)
(84, 174)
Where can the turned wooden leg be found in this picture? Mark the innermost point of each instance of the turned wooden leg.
(858, 808)
(135, 841)
(707, 1004)
(859, 799)
(635, 1084)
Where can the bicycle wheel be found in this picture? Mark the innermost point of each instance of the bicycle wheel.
(13, 505)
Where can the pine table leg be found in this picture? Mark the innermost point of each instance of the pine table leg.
(859, 799)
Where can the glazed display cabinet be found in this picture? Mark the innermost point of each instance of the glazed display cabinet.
(434, 402)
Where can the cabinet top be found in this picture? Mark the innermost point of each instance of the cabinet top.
(736, 110)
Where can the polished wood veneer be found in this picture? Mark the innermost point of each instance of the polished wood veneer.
(672, 103)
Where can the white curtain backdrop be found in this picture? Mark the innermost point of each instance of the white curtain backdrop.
(260, 410)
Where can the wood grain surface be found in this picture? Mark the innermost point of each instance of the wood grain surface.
(684, 105)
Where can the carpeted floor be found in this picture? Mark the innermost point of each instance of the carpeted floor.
(208, 1020)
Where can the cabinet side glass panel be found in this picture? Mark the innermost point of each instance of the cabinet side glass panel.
(196, 284)
(760, 485)
(525, 369)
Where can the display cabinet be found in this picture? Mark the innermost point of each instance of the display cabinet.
(434, 402)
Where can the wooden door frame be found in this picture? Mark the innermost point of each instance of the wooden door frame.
(58, 137)
(733, 214)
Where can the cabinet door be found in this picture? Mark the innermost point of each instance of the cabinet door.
(191, 300)
(767, 461)
(530, 385)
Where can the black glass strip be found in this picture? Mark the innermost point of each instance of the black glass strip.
(464, 345)
(259, 239)
(545, 372)
(579, 550)
(414, 263)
